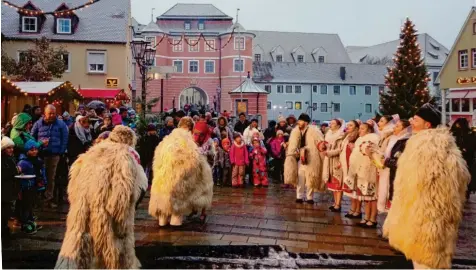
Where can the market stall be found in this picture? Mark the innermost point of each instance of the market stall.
(110, 97)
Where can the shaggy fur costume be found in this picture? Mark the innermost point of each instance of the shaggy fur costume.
(183, 179)
(104, 185)
(312, 171)
(428, 199)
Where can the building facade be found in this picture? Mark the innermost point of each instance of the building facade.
(458, 75)
(323, 90)
(96, 39)
(210, 53)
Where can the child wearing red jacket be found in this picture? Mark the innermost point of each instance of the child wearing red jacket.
(258, 157)
(239, 160)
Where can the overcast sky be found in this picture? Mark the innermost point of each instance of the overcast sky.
(358, 22)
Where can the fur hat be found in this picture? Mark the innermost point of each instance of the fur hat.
(430, 114)
(304, 117)
(123, 134)
(281, 119)
(7, 142)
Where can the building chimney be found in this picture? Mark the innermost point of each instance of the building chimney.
(342, 73)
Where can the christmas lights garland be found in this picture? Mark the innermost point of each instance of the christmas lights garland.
(188, 42)
(55, 13)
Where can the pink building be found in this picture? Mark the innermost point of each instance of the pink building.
(211, 55)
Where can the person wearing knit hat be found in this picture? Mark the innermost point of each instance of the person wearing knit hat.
(431, 180)
(9, 187)
(114, 166)
(7, 142)
(167, 128)
(303, 163)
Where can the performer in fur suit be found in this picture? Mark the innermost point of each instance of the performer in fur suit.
(104, 185)
(303, 164)
(429, 194)
(183, 181)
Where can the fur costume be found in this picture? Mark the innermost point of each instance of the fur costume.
(104, 185)
(183, 179)
(428, 199)
(312, 171)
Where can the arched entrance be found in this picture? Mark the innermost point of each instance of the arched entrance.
(193, 96)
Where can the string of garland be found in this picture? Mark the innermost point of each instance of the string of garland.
(55, 13)
(188, 42)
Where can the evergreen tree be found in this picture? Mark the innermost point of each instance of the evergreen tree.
(407, 79)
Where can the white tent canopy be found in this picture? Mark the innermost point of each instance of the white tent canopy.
(248, 87)
(38, 88)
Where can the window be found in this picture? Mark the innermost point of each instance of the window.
(188, 26)
(297, 89)
(238, 65)
(368, 90)
(473, 53)
(96, 62)
(455, 104)
(257, 57)
(268, 105)
(279, 89)
(63, 26)
(465, 104)
(193, 45)
(151, 40)
(323, 107)
(336, 90)
(209, 66)
(177, 45)
(239, 43)
(22, 56)
(352, 91)
(321, 59)
(193, 66)
(29, 24)
(298, 105)
(368, 108)
(300, 58)
(435, 75)
(381, 89)
(67, 63)
(323, 89)
(279, 58)
(289, 105)
(289, 89)
(178, 64)
(336, 107)
(210, 45)
(474, 28)
(463, 59)
(201, 25)
(314, 106)
(314, 88)
(267, 87)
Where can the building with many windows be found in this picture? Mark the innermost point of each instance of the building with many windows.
(322, 90)
(96, 39)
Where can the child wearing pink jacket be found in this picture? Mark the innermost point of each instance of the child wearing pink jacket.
(239, 160)
(258, 157)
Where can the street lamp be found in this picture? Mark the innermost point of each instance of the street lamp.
(219, 99)
(144, 55)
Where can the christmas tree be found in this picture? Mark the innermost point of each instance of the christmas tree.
(407, 79)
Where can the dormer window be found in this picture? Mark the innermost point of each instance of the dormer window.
(188, 26)
(29, 24)
(63, 26)
(321, 59)
(300, 58)
(279, 58)
(201, 25)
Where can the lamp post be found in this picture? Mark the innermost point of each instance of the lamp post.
(218, 99)
(144, 55)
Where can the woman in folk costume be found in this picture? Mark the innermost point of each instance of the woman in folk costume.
(105, 184)
(362, 175)
(338, 154)
(429, 194)
(183, 181)
(303, 164)
(332, 169)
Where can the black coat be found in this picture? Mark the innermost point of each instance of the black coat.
(76, 146)
(147, 145)
(391, 162)
(240, 127)
(10, 185)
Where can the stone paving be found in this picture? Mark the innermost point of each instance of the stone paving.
(261, 217)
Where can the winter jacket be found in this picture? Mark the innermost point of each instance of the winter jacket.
(75, 146)
(10, 185)
(99, 129)
(219, 160)
(258, 156)
(68, 121)
(226, 159)
(165, 131)
(277, 148)
(391, 162)
(218, 129)
(240, 127)
(56, 132)
(239, 154)
(32, 166)
(147, 146)
(116, 119)
(248, 134)
(19, 135)
(270, 132)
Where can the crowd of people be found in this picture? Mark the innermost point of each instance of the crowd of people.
(408, 168)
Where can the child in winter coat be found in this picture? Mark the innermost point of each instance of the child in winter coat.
(278, 152)
(30, 165)
(239, 160)
(9, 187)
(258, 156)
(226, 175)
(218, 163)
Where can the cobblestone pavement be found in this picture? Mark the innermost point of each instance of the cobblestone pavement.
(256, 217)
